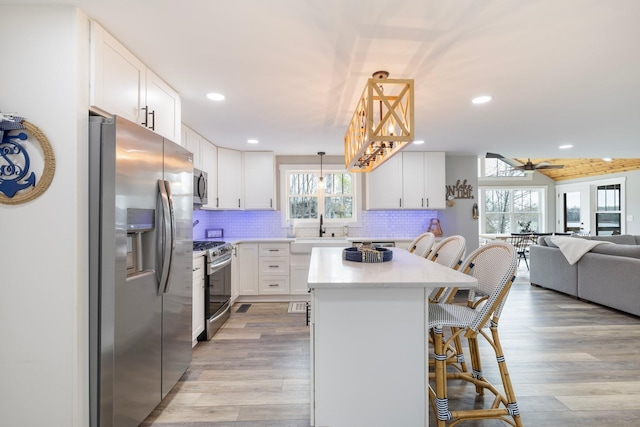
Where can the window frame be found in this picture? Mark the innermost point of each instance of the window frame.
(286, 170)
(542, 211)
(517, 178)
(595, 187)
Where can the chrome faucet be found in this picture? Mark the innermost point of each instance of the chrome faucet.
(322, 229)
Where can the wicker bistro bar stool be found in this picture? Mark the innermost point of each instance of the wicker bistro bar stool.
(422, 244)
(494, 265)
(448, 252)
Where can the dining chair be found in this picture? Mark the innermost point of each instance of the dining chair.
(422, 244)
(494, 266)
(522, 241)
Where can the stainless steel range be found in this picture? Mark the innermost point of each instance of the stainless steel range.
(217, 285)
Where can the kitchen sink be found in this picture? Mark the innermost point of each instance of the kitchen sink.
(303, 245)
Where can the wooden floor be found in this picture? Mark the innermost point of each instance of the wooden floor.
(573, 364)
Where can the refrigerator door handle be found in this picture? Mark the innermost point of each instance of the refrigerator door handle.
(163, 246)
(172, 234)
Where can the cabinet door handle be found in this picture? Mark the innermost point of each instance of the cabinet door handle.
(146, 116)
(238, 202)
(270, 203)
(274, 250)
(273, 266)
(423, 202)
(400, 202)
(273, 285)
(217, 202)
(427, 202)
(153, 120)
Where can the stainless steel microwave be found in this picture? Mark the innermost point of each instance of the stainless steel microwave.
(200, 187)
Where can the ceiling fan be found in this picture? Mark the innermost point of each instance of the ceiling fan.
(527, 167)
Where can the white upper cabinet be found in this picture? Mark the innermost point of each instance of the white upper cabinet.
(384, 185)
(192, 141)
(435, 180)
(162, 110)
(409, 180)
(209, 153)
(120, 84)
(259, 180)
(205, 158)
(413, 180)
(229, 179)
(117, 76)
(423, 180)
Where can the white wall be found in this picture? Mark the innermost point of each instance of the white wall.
(43, 263)
(458, 218)
(632, 195)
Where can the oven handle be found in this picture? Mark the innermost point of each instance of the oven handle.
(216, 267)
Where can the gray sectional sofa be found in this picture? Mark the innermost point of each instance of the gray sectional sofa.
(607, 275)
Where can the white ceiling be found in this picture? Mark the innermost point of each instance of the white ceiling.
(560, 71)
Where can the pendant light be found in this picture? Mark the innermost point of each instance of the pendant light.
(374, 136)
(321, 180)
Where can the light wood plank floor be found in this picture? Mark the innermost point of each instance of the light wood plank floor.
(573, 364)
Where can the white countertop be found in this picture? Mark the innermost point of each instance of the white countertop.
(329, 271)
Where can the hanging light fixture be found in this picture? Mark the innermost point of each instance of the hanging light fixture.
(321, 179)
(374, 136)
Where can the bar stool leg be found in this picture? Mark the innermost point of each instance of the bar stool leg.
(440, 367)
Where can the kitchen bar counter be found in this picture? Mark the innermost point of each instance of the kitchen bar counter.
(369, 342)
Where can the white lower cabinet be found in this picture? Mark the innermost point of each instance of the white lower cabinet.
(274, 269)
(197, 313)
(299, 274)
(261, 269)
(247, 262)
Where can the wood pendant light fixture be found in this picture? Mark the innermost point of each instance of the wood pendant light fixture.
(382, 123)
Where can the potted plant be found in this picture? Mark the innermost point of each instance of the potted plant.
(525, 226)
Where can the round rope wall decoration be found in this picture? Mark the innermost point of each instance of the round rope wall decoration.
(18, 184)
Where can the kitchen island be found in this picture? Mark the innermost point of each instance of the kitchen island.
(369, 341)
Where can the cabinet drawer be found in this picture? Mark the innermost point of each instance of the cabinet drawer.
(198, 268)
(275, 265)
(274, 249)
(274, 285)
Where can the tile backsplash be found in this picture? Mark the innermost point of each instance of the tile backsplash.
(397, 224)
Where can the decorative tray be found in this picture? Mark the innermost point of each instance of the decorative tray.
(367, 254)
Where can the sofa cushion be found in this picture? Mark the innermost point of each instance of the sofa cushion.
(548, 242)
(631, 251)
(622, 239)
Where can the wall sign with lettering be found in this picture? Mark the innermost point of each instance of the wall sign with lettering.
(459, 191)
(27, 162)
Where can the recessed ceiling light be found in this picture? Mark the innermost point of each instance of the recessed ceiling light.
(565, 146)
(252, 141)
(418, 141)
(607, 159)
(482, 99)
(215, 96)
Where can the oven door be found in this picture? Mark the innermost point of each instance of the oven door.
(217, 297)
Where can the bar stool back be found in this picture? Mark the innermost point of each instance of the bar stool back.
(422, 244)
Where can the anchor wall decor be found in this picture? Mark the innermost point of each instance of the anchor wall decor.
(18, 183)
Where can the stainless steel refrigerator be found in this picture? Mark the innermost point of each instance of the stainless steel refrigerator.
(141, 236)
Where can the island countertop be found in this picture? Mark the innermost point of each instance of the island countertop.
(327, 270)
